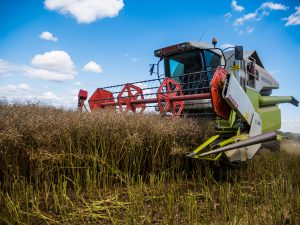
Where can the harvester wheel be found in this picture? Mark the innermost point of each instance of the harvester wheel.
(128, 94)
(168, 89)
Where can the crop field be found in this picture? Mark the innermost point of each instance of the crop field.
(63, 167)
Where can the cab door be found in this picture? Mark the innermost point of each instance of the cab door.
(212, 62)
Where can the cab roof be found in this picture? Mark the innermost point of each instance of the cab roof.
(191, 45)
(182, 47)
(253, 54)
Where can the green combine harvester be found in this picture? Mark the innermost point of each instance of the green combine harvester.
(229, 86)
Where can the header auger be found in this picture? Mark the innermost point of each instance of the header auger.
(229, 86)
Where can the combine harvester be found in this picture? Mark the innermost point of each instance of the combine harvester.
(229, 86)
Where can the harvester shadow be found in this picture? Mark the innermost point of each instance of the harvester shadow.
(215, 171)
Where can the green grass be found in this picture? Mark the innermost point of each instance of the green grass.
(64, 167)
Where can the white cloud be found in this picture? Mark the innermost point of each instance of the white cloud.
(49, 96)
(12, 88)
(23, 93)
(48, 36)
(146, 91)
(267, 7)
(3, 66)
(227, 16)
(293, 19)
(141, 85)
(226, 45)
(69, 99)
(264, 10)
(246, 17)
(92, 67)
(54, 60)
(53, 66)
(250, 16)
(273, 6)
(249, 30)
(86, 11)
(23, 86)
(236, 7)
(15, 92)
(48, 75)
(6, 68)
(78, 83)
(133, 59)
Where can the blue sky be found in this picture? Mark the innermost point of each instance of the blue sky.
(49, 49)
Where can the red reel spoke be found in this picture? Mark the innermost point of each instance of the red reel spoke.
(169, 90)
(169, 105)
(129, 91)
(137, 94)
(177, 88)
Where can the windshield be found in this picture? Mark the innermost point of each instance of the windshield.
(193, 69)
(183, 63)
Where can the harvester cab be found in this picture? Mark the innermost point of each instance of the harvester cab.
(192, 65)
(229, 86)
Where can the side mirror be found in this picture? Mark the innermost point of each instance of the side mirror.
(152, 66)
(238, 52)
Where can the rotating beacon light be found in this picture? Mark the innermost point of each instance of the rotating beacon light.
(214, 41)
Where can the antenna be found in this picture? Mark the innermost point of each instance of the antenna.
(204, 31)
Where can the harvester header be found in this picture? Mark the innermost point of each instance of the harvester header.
(229, 86)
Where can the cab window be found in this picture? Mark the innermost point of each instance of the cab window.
(212, 61)
(183, 63)
(176, 68)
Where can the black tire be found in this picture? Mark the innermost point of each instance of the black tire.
(273, 146)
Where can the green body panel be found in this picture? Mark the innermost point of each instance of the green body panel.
(254, 98)
(270, 115)
(273, 100)
(226, 124)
